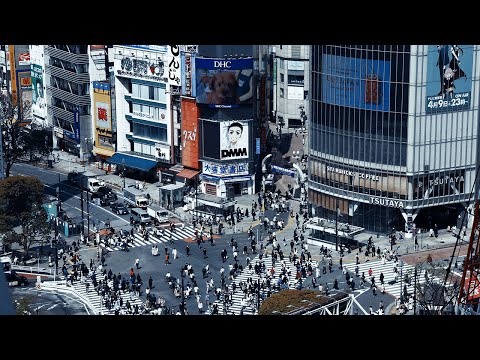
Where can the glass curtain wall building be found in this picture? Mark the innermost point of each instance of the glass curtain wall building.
(394, 130)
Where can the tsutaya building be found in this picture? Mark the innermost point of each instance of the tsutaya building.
(394, 134)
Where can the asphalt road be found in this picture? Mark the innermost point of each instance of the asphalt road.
(71, 199)
(154, 266)
(47, 303)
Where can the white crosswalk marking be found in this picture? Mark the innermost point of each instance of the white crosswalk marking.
(180, 233)
(95, 299)
(236, 306)
(387, 269)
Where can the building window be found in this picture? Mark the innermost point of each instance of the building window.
(282, 78)
(282, 64)
(282, 92)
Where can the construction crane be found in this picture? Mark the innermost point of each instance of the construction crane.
(466, 293)
(469, 291)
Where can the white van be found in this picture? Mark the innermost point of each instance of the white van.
(140, 216)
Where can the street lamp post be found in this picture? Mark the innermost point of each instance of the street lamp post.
(123, 172)
(400, 265)
(81, 208)
(415, 292)
(336, 225)
(88, 216)
(182, 306)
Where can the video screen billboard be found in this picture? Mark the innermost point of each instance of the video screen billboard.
(211, 139)
(356, 82)
(224, 83)
(449, 78)
(234, 139)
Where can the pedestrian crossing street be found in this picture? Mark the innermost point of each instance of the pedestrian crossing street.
(235, 308)
(179, 234)
(392, 288)
(80, 289)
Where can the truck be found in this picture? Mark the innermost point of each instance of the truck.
(135, 198)
(157, 213)
(88, 180)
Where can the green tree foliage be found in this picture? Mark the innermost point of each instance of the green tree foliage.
(22, 217)
(20, 139)
(286, 301)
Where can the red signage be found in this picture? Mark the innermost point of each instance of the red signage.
(190, 134)
(472, 287)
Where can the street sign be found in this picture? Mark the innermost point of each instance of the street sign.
(38, 286)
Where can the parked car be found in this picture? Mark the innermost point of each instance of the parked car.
(119, 208)
(13, 279)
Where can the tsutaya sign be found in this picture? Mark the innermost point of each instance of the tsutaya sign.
(353, 173)
(386, 202)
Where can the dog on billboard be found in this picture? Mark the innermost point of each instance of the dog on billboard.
(223, 86)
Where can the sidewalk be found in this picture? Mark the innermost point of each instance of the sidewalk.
(69, 162)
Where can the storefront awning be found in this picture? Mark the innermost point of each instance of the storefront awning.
(187, 173)
(133, 162)
(103, 152)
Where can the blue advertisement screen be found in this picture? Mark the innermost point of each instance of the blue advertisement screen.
(356, 82)
(449, 78)
(224, 83)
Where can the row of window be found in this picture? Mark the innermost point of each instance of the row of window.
(149, 132)
(67, 65)
(68, 106)
(149, 92)
(69, 86)
(349, 146)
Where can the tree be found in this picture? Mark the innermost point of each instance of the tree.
(432, 295)
(19, 138)
(289, 301)
(22, 216)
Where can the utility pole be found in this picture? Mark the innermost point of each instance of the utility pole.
(88, 215)
(415, 292)
(336, 226)
(182, 306)
(81, 207)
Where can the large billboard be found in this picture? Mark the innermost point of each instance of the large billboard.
(356, 82)
(190, 134)
(224, 83)
(234, 139)
(140, 62)
(38, 96)
(37, 70)
(449, 78)
(102, 115)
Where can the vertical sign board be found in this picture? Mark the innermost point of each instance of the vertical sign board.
(13, 80)
(190, 134)
(188, 62)
(76, 126)
(173, 58)
(263, 125)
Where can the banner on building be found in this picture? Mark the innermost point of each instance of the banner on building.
(188, 74)
(102, 115)
(210, 168)
(356, 82)
(234, 139)
(38, 96)
(449, 78)
(173, 59)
